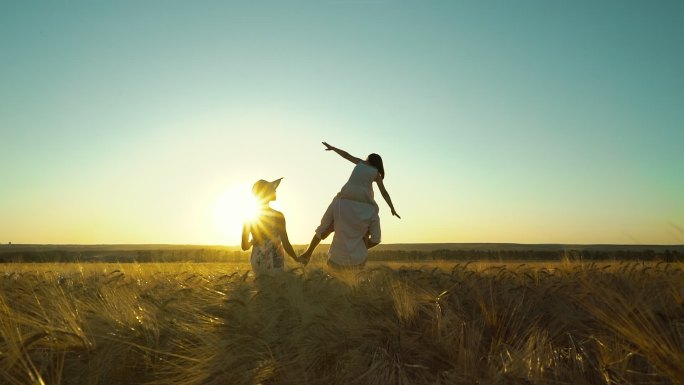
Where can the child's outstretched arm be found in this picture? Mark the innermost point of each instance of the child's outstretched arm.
(342, 153)
(386, 196)
(246, 244)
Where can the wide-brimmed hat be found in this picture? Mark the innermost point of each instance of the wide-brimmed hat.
(262, 187)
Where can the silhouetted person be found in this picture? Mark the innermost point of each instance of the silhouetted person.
(269, 236)
(353, 214)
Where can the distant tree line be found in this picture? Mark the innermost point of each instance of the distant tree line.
(218, 255)
(140, 256)
(531, 255)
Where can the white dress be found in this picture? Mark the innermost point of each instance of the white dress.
(359, 187)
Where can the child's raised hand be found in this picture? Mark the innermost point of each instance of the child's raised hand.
(327, 146)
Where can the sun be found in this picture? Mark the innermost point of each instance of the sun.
(232, 207)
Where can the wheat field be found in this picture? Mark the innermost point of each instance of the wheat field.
(437, 323)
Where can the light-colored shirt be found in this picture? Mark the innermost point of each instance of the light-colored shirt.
(352, 222)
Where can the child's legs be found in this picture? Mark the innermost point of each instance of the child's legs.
(327, 225)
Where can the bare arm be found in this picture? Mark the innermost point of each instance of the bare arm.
(386, 196)
(342, 153)
(285, 240)
(246, 244)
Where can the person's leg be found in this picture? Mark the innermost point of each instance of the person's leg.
(323, 231)
(317, 239)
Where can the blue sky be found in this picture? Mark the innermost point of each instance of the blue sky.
(528, 121)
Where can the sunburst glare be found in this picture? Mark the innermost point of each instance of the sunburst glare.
(234, 206)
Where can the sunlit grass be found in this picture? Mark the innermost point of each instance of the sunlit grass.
(422, 323)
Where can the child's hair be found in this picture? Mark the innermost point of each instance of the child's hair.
(376, 161)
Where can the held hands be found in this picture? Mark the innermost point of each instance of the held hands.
(303, 259)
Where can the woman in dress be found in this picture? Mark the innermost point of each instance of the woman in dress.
(353, 213)
(269, 237)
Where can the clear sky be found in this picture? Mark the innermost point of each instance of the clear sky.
(509, 121)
